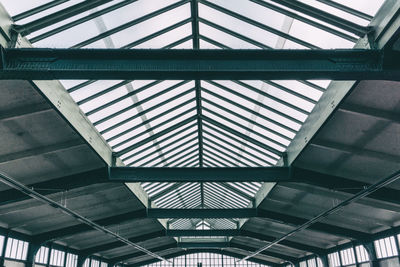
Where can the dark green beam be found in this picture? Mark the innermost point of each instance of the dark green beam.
(201, 213)
(225, 232)
(203, 244)
(229, 174)
(126, 64)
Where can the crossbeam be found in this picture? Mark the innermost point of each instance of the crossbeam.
(126, 64)
(222, 232)
(201, 213)
(233, 174)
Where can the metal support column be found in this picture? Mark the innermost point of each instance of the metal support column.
(33, 248)
(369, 246)
(81, 260)
(324, 260)
(3, 252)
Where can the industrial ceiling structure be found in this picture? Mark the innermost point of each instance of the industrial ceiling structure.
(138, 131)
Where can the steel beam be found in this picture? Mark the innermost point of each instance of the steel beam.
(201, 213)
(68, 182)
(229, 174)
(126, 64)
(203, 244)
(225, 232)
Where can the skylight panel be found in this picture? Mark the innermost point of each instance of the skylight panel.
(91, 89)
(179, 157)
(223, 154)
(227, 37)
(318, 37)
(161, 150)
(143, 147)
(233, 146)
(164, 152)
(240, 117)
(236, 151)
(234, 24)
(174, 120)
(242, 189)
(370, 7)
(274, 149)
(258, 151)
(149, 26)
(301, 88)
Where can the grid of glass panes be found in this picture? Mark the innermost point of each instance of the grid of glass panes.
(72, 260)
(179, 261)
(94, 263)
(347, 256)
(86, 263)
(206, 260)
(57, 257)
(42, 255)
(386, 247)
(303, 264)
(362, 254)
(311, 262)
(16, 249)
(334, 260)
(104, 264)
(162, 264)
(228, 261)
(2, 238)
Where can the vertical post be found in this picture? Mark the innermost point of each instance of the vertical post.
(81, 260)
(355, 255)
(3, 253)
(65, 258)
(33, 248)
(369, 246)
(324, 260)
(340, 257)
(396, 241)
(49, 255)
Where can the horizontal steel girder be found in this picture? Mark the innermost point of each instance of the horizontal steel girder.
(256, 174)
(125, 64)
(201, 213)
(225, 232)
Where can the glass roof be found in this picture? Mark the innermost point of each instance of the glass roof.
(196, 123)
